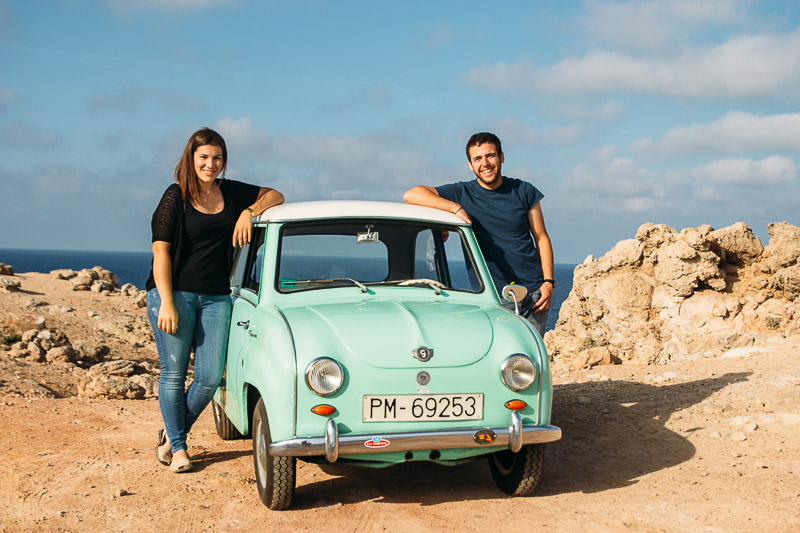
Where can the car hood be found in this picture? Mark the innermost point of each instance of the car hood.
(384, 333)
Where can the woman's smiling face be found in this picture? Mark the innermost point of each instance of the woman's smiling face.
(208, 162)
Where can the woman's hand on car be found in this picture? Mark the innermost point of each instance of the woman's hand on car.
(243, 230)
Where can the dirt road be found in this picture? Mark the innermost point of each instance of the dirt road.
(649, 449)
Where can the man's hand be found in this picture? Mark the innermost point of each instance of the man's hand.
(543, 304)
(243, 230)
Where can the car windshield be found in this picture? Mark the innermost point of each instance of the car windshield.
(358, 254)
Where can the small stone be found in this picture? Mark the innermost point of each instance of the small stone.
(714, 434)
(738, 435)
(584, 400)
(750, 427)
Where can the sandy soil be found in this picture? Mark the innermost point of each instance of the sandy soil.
(705, 445)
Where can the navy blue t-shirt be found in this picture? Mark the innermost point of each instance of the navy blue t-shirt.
(500, 223)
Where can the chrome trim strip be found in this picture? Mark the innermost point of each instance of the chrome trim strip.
(410, 441)
(294, 369)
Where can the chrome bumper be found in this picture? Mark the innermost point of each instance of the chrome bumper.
(332, 444)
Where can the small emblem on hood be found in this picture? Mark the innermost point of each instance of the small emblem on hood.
(423, 354)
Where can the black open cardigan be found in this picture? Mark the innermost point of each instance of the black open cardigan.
(170, 214)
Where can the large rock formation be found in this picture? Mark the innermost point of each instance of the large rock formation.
(667, 296)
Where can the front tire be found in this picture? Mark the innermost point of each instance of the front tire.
(275, 476)
(518, 474)
(225, 428)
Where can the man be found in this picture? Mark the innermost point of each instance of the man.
(506, 216)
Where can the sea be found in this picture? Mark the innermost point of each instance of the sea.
(134, 268)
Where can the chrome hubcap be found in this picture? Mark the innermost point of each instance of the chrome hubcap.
(261, 451)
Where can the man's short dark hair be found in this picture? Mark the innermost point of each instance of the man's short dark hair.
(483, 138)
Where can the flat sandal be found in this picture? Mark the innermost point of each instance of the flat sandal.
(163, 450)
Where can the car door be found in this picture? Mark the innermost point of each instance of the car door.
(245, 285)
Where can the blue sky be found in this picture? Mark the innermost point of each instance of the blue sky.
(676, 112)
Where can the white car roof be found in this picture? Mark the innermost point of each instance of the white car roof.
(355, 209)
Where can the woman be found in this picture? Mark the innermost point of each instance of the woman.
(196, 225)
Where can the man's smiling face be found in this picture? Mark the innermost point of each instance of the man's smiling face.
(486, 163)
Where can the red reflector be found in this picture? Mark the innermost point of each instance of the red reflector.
(516, 405)
(323, 409)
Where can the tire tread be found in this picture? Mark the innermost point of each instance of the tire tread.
(225, 428)
(525, 473)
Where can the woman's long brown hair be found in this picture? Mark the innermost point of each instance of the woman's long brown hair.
(185, 175)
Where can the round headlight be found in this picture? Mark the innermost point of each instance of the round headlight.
(518, 372)
(324, 376)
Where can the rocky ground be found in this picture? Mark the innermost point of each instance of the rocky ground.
(703, 444)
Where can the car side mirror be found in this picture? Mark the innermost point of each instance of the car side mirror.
(515, 293)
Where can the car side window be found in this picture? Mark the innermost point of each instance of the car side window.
(425, 256)
(239, 263)
(441, 256)
(255, 261)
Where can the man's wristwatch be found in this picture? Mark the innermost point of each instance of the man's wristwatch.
(252, 213)
(551, 282)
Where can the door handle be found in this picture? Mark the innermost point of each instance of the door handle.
(244, 323)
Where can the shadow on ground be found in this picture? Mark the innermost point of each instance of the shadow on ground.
(614, 431)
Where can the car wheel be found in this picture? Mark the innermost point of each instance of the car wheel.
(225, 428)
(274, 475)
(518, 474)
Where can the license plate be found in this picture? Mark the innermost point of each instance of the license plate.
(422, 407)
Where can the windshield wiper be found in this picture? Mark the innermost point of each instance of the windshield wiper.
(333, 280)
(432, 283)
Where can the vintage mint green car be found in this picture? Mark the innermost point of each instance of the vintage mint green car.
(370, 333)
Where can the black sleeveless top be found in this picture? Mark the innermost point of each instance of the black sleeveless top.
(201, 249)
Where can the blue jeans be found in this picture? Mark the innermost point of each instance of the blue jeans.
(203, 322)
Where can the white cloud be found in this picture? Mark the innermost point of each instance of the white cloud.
(521, 131)
(441, 37)
(61, 180)
(657, 24)
(610, 183)
(133, 99)
(240, 134)
(733, 133)
(21, 134)
(768, 171)
(129, 6)
(8, 96)
(610, 109)
(743, 67)
(320, 166)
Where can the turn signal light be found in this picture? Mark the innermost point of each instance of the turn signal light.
(323, 410)
(516, 405)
